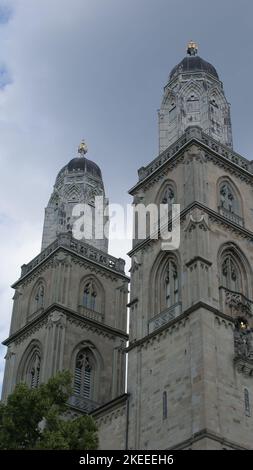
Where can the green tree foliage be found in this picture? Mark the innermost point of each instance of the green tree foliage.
(35, 419)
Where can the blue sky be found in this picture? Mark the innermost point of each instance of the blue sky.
(96, 69)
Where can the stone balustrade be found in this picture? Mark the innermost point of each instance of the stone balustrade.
(234, 302)
(66, 240)
(197, 133)
(231, 216)
(83, 404)
(164, 317)
(91, 314)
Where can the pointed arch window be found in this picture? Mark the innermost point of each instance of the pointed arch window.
(33, 370)
(192, 104)
(39, 297)
(231, 276)
(171, 284)
(168, 196)
(89, 296)
(227, 198)
(172, 111)
(84, 374)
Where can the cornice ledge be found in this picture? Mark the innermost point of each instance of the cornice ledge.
(206, 433)
(193, 139)
(243, 231)
(78, 256)
(157, 333)
(70, 313)
(110, 406)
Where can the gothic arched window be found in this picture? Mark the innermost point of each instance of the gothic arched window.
(171, 284)
(228, 199)
(192, 104)
(84, 374)
(172, 111)
(89, 296)
(33, 370)
(39, 297)
(231, 276)
(168, 196)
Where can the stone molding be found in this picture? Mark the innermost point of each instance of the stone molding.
(203, 434)
(175, 324)
(58, 316)
(80, 252)
(212, 216)
(221, 155)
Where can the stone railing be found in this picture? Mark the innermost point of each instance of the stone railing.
(84, 249)
(234, 303)
(231, 216)
(91, 314)
(197, 133)
(83, 404)
(164, 317)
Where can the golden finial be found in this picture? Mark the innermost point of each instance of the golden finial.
(82, 149)
(192, 48)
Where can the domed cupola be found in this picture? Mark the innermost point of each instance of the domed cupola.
(78, 182)
(193, 64)
(194, 96)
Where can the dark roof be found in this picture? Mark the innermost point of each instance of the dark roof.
(83, 164)
(194, 64)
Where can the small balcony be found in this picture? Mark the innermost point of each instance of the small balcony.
(236, 219)
(234, 303)
(164, 317)
(83, 404)
(91, 314)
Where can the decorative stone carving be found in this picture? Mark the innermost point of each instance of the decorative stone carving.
(56, 318)
(197, 219)
(135, 264)
(238, 303)
(243, 340)
(194, 153)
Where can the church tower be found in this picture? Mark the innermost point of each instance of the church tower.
(69, 308)
(190, 356)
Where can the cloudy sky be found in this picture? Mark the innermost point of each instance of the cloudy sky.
(96, 69)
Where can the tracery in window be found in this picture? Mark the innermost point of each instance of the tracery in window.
(33, 370)
(39, 297)
(171, 284)
(231, 276)
(227, 198)
(168, 196)
(84, 374)
(89, 296)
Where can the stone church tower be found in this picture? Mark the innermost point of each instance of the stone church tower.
(190, 351)
(70, 301)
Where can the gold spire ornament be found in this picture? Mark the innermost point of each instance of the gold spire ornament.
(192, 48)
(82, 149)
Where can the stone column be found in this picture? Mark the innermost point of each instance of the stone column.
(54, 347)
(8, 383)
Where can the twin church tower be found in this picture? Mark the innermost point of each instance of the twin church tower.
(190, 349)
